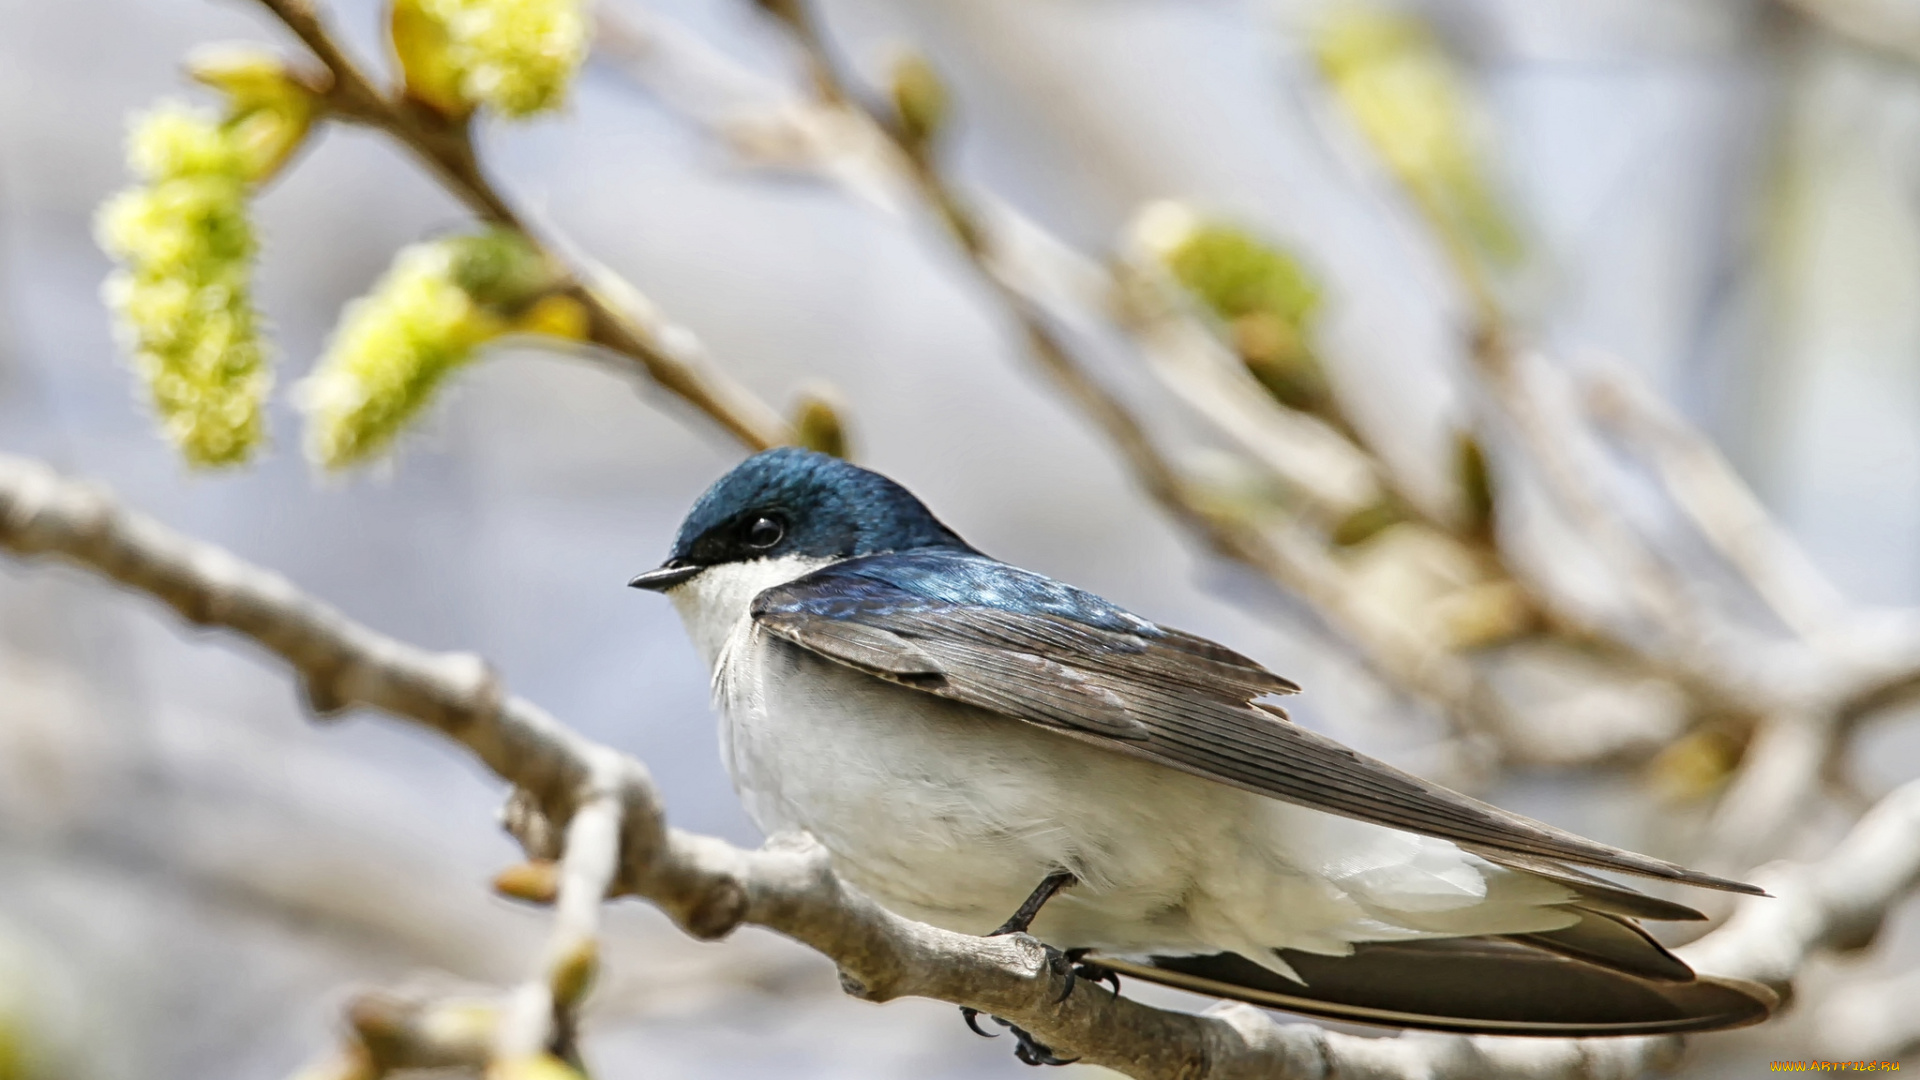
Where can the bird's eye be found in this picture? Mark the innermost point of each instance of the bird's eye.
(765, 532)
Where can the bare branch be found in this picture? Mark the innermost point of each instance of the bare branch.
(1704, 484)
(1837, 903)
(1872, 1018)
(1778, 780)
(540, 1016)
(1558, 444)
(709, 886)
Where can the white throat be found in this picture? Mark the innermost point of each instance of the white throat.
(713, 602)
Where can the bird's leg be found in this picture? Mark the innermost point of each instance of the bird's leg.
(1030, 908)
(1031, 1050)
(1028, 911)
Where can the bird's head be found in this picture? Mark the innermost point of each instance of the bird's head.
(790, 502)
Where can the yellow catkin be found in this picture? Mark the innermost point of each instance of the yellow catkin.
(395, 347)
(183, 295)
(392, 350)
(514, 56)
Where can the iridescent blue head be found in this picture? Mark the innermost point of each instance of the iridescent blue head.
(790, 501)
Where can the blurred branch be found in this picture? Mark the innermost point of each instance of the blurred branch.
(1704, 485)
(616, 840)
(853, 145)
(1774, 788)
(1800, 697)
(540, 1016)
(1872, 1018)
(1837, 903)
(1890, 28)
(1877, 666)
(1786, 761)
(620, 321)
(1794, 749)
(897, 158)
(860, 144)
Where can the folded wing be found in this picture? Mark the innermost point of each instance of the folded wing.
(1029, 648)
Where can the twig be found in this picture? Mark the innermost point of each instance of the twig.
(769, 125)
(709, 887)
(670, 356)
(1705, 486)
(1777, 782)
(540, 1017)
(1558, 445)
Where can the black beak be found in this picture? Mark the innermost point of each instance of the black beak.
(664, 578)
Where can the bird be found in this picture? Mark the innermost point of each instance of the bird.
(988, 750)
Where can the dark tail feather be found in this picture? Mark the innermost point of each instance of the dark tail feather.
(1488, 986)
(1611, 942)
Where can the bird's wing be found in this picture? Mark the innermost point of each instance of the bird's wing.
(1090, 671)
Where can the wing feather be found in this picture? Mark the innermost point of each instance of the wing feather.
(1166, 696)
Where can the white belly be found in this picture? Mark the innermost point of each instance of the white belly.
(947, 813)
(952, 815)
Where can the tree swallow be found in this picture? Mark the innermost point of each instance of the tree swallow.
(970, 740)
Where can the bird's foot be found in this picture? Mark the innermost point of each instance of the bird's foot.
(1088, 970)
(1032, 1050)
(1026, 1048)
(1068, 965)
(1071, 968)
(972, 1017)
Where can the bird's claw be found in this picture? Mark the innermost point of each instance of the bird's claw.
(972, 1017)
(1062, 964)
(1067, 965)
(1032, 1051)
(1090, 971)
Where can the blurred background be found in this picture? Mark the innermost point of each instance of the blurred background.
(1720, 196)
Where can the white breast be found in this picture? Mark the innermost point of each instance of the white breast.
(951, 815)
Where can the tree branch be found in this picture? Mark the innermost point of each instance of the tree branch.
(709, 887)
(1705, 486)
(620, 321)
